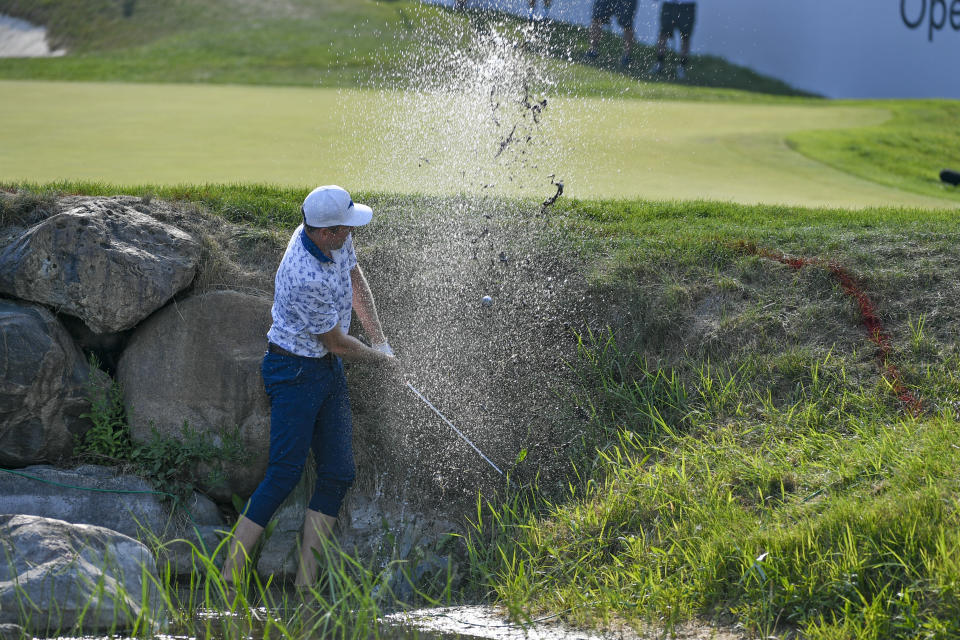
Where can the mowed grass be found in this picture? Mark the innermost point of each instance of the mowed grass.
(907, 151)
(388, 141)
(345, 43)
(365, 44)
(298, 44)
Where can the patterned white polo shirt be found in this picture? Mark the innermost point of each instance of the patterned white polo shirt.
(312, 294)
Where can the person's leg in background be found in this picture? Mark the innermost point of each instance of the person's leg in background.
(626, 11)
(595, 28)
(546, 10)
(684, 56)
(662, 46)
(627, 45)
(666, 30)
(686, 30)
(602, 11)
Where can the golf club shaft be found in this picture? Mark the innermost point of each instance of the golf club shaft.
(450, 424)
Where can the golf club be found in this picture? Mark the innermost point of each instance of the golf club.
(450, 424)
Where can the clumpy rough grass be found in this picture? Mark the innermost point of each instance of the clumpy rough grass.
(821, 508)
(753, 467)
(23, 208)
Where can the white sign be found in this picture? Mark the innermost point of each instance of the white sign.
(838, 48)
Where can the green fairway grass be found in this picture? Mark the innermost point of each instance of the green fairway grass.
(906, 151)
(367, 44)
(171, 134)
(343, 43)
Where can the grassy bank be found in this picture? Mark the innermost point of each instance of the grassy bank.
(759, 469)
(749, 459)
(829, 514)
(306, 43)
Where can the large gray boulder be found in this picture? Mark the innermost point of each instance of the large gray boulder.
(43, 380)
(124, 503)
(198, 362)
(61, 578)
(103, 261)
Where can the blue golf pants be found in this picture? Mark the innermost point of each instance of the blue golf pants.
(309, 409)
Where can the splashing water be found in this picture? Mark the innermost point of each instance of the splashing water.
(473, 114)
(467, 120)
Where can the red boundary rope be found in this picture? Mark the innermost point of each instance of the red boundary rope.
(868, 316)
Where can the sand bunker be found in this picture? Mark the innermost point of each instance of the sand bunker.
(20, 39)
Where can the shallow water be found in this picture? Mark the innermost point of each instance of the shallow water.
(476, 621)
(451, 623)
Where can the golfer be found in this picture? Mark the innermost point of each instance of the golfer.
(317, 286)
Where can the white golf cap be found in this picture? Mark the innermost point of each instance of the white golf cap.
(331, 206)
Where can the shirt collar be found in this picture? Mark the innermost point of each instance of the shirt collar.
(311, 248)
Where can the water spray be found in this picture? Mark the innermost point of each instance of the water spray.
(472, 115)
(450, 424)
(549, 201)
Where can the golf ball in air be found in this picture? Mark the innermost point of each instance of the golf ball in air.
(486, 301)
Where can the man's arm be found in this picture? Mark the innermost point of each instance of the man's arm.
(349, 348)
(364, 306)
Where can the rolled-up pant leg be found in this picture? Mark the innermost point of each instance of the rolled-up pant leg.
(300, 389)
(333, 448)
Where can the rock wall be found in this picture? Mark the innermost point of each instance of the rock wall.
(103, 261)
(124, 503)
(197, 362)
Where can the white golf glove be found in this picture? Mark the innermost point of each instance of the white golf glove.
(383, 347)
